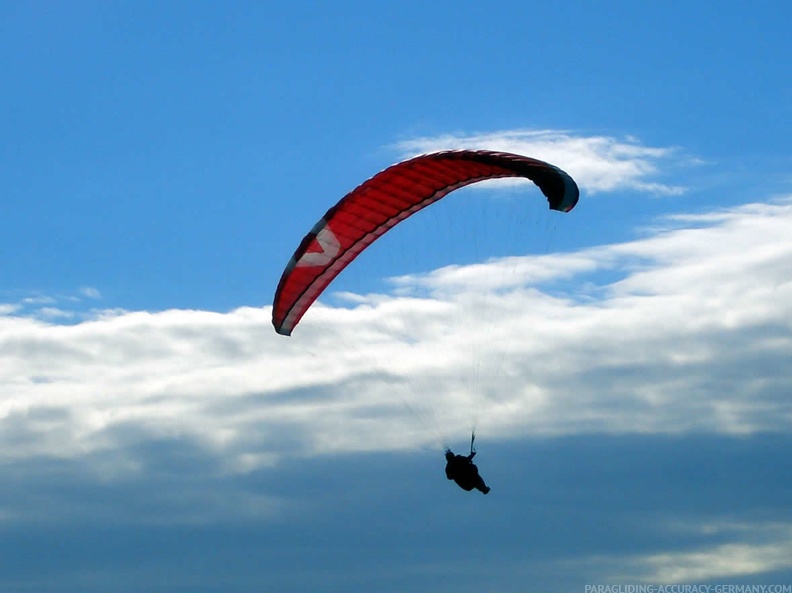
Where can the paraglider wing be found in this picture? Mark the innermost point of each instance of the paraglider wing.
(386, 199)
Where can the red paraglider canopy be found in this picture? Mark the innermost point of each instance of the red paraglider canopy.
(386, 199)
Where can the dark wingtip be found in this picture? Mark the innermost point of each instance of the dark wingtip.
(570, 195)
(280, 329)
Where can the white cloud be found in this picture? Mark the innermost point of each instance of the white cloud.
(598, 163)
(65, 305)
(695, 335)
(54, 312)
(761, 549)
(729, 560)
(39, 300)
(90, 292)
(8, 308)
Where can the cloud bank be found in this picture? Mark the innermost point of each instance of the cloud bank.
(686, 330)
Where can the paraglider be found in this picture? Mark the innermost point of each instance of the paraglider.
(463, 471)
(382, 202)
(388, 198)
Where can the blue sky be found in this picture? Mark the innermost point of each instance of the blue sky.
(626, 365)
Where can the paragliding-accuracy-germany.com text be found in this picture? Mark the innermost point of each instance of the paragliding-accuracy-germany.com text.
(688, 589)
